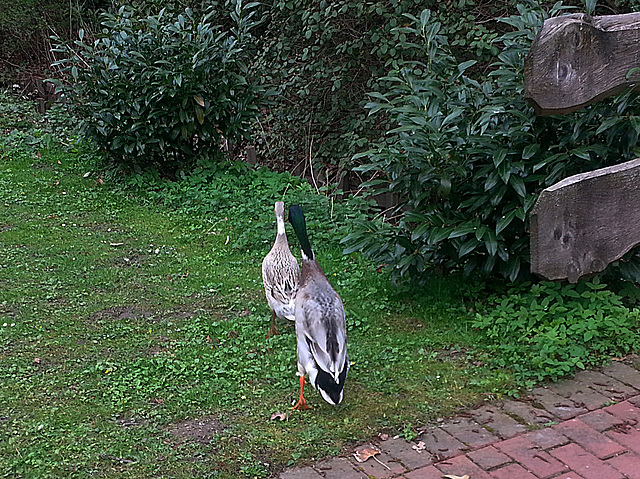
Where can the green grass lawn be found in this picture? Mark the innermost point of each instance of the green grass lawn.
(133, 323)
(132, 331)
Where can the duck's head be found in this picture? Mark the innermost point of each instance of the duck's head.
(279, 209)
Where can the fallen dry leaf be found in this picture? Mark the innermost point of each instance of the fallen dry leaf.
(451, 476)
(418, 447)
(366, 452)
(279, 415)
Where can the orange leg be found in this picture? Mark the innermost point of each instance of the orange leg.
(301, 404)
(274, 329)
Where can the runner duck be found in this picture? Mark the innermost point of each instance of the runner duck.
(280, 274)
(321, 330)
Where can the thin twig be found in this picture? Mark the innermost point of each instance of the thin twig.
(285, 190)
(332, 208)
(310, 159)
(384, 213)
(304, 160)
(380, 462)
(266, 141)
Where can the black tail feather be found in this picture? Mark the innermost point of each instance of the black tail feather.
(325, 382)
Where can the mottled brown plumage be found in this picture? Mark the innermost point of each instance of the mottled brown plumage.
(280, 274)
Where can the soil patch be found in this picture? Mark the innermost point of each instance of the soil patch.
(121, 312)
(199, 430)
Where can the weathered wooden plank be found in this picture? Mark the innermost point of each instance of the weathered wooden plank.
(585, 222)
(576, 60)
(252, 158)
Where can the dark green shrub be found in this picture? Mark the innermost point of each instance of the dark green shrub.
(162, 90)
(468, 159)
(547, 330)
(324, 56)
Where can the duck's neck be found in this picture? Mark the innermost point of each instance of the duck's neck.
(305, 246)
(310, 270)
(280, 223)
(307, 255)
(296, 217)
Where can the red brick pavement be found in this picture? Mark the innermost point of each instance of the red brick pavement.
(584, 428)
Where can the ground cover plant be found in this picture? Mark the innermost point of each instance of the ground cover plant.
(548, 330)
(133, 323)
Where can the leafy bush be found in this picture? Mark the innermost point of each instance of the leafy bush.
(324, 56)
(162, 90)
(548, 330)
(468, 159)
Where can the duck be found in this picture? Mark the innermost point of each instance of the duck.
(321, 330)
(280, 275)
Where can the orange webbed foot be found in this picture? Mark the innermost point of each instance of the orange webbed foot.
(302, 403)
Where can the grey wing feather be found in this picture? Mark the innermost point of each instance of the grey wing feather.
(323, 325)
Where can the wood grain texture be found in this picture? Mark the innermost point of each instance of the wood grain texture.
(576, 60)
(585, 222)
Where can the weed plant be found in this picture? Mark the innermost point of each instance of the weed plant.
(548, 330)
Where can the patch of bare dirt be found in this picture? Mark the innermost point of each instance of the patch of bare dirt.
(42, 167)
(199, 430)
(162, 347)
(128, 422)
(121, 312)
(7, 312)
(131, 259)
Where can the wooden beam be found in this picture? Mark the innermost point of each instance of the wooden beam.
(585, 222)
(252, 158)
(576, 60)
